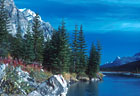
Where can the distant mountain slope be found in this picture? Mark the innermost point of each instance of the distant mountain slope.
(122, 61)
(130, 67)
(24, 17)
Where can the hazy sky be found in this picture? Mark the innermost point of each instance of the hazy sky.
(116, 23)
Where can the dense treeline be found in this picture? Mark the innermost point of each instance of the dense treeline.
(56, 54)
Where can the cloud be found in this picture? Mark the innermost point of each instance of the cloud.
(122, 1)
(95, 15)
(130, 2)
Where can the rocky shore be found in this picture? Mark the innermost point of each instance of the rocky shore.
(16, 82)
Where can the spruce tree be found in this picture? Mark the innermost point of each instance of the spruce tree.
(64, 53)
(46, 55)
(51, 53)
(38, 39)
(19, 40)
(3, 22)
(92, 67)
(57, 51)
(28, 45)
(94, 60)
(80, 68)
(74, 56)
(4, 30)
(99, 48)
(17, 50)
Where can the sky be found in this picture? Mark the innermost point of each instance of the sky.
(116, 23)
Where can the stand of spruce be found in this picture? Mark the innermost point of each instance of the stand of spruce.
(56, 54)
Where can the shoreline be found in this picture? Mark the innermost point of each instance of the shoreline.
(121, 73)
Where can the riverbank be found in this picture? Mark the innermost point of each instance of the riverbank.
(74, 78)
(112, 85)
(16, 78)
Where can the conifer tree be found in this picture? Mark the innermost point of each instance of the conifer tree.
(94, 60)
(38, 39)
(81, 53)
(92, 67)
(56, 56)
(64, 53)
(55, 50)
(47, 55)
(19, 40)
(4, 30)
(28, 45)
(3, 22)
(17, 50)
(74, 56)
(99, 48)
(51, 53)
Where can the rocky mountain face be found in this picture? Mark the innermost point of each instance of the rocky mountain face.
(122, 61)
(24, 17)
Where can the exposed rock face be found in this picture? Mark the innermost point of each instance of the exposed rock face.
(16, 80)
(24, 17)
(11, 77)
(34, 93)
(54, 86)
(2, 70)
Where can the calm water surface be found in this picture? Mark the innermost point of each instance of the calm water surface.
(110, 86)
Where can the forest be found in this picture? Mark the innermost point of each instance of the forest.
(57, 54)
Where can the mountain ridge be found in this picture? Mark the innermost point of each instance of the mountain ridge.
(24, 17)
(122, 61)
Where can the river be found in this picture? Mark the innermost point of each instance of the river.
(112, 85)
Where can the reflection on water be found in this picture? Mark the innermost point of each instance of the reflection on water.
(92, 89)
(83, 89)
(110, 86)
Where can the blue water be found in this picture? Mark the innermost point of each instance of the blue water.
(110, 86)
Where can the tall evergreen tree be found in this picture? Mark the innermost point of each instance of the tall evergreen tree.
(38, 38)
(74, 56)
(64, 53)
(19, 40)
(17, 47)
(92, 67)
(56, 56)
(4, 29)
(3, 22)
(94, 60)
(28, 45)
(99, 48)
(81, 52)
(46, 55)
(51, 53)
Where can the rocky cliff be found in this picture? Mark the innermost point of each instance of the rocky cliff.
(24, 17)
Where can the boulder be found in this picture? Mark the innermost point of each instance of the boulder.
(25, 77)
(2, 70)
(34, 93)
(95, 79)
(54, 86)
(16, 81)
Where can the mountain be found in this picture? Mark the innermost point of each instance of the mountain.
(24, 17)
(129, 67)
(122, 61)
